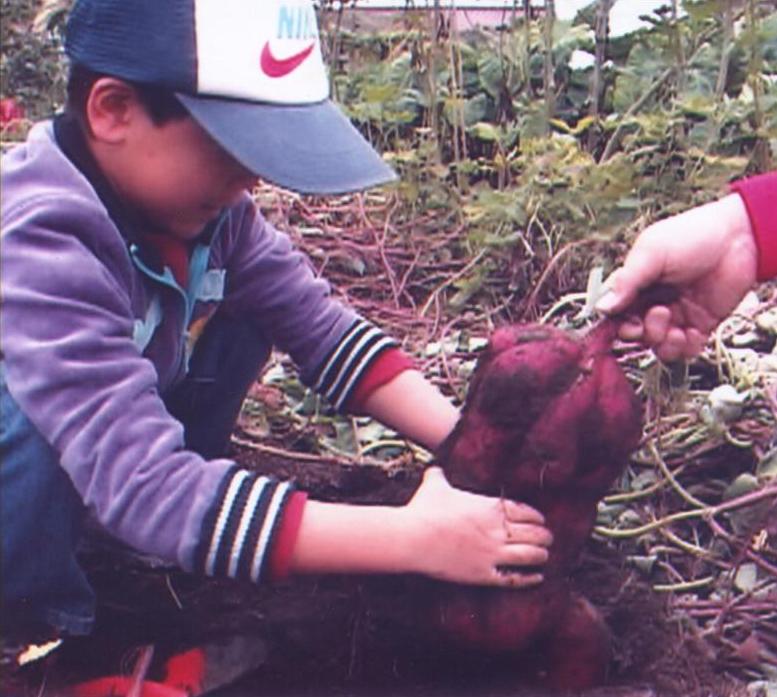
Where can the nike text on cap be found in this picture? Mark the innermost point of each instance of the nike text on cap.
(250, 72)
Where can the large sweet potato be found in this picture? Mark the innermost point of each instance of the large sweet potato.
(550, 420)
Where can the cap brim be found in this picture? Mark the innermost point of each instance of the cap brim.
(312, 149)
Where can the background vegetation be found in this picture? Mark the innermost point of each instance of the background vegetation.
(520, 174)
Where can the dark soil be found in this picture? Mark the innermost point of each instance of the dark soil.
(351, 636)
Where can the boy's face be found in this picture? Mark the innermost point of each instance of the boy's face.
(176, 175)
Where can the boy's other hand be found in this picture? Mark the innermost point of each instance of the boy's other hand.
(709, 254)
(467, 538)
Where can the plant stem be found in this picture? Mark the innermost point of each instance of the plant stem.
(725, 51)
(601, 33)
(549, 81)
(761, 152)
(678, 47)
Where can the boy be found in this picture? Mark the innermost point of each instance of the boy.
(142, 292)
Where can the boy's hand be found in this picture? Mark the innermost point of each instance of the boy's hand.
(442, 532)
(709, 254)
(463, 537)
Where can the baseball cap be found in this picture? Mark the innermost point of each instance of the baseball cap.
(250, 72)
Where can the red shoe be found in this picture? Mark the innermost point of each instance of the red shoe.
(184, 675)
(187, 674)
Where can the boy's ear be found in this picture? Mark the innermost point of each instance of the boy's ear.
(110, 109)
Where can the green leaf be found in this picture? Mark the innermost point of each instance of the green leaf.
(345, 438)
(485, 131)
(743, 484)
(628, 203)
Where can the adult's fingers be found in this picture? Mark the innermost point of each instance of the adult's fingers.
(656, 324)
(696, 341)
(631, 329)
(642, 267)
(675, 345)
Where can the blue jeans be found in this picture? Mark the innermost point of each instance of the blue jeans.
(44, 590)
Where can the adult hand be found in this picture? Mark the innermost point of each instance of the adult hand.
(709, 254)
(463, 537)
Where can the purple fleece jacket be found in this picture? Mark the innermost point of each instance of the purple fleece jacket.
(93, 331)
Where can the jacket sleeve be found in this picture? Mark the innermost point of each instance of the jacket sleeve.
(72, 367)
(760, 197)
(271, 281)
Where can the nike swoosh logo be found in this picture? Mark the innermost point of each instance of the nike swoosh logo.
(279, 67)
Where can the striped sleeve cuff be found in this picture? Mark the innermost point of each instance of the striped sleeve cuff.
(349, 361)
(286, 538)
(383, 370)
(239, 530)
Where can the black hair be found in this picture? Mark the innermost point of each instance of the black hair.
(159, 102)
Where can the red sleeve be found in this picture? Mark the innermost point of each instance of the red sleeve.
(286, 536)
(388, 365)
(760, 197)
(384, 369)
